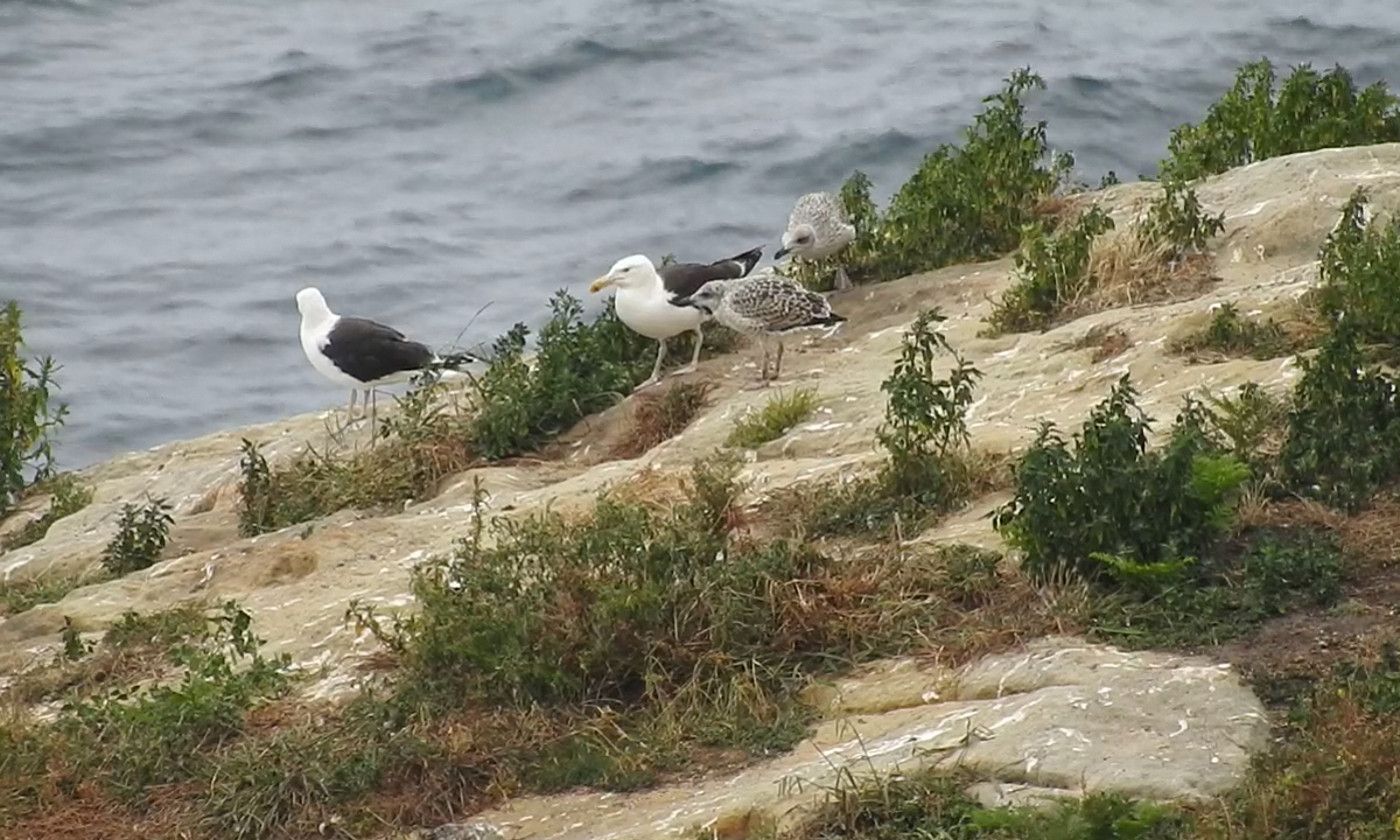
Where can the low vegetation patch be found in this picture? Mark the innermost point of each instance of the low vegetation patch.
(779, 415)
(579, 368)
(66, 497)
(1084, 267)
(16, 596)
(28, 414)
(130, 742)
(1230, 333)
(1252, 121)
(1358, 266)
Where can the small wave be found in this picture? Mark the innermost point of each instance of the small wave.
(653, 175)
(571, 59)
(295, 81)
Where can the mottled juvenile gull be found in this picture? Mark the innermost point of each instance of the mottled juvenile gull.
(764, 306)
(819, 228)
(361, 353)
(645, 297)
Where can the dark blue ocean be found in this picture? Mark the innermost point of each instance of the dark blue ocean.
(172, 171)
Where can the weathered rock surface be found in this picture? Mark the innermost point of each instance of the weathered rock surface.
(298, 582)
(1061, 718)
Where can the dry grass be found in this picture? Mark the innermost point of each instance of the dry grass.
(659, 415)
(1128, 269)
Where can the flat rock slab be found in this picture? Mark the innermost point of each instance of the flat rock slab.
(1061, 717)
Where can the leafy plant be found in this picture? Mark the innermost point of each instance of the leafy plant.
(142, 533)
(1360, 264)
(1311, 110)
(779, 415)
(964, 202)
(1344, 428)
(1110, 496)
(578, 368)
(1176, 220)
(28, 416)
(1051, 271)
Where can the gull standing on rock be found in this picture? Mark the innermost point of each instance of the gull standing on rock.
(362, 353)
(646, 296)
(819, 228)
(764, 306)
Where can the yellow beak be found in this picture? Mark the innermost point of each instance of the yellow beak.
(600, 284)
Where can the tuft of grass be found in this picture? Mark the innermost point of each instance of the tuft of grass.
(1229, 333)
(934, 805)
(142, 533)
(132, 743)
(28, 415)
(779, 415)
(19, 595)
(66, 497)
(1252, 122)
(660, 416)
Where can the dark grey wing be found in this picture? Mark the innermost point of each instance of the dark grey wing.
(681, 280)
(368, 350)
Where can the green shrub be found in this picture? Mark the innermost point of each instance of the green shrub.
(66, 497)
(1176, 223)
(1344, 428)
(142, 533)
(578, 369)
(1310, 111)
(1250, 425)
(1110, 497)
(963, 203)
(1360, 273)
(1051, 273)
(28, 416)
(778, 416)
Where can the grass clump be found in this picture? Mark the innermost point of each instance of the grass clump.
(142, 532)
(660, 416)
(927, 470)
(67, 496)
(1252, 122)
(1230, 333)
(28, 416)
(1052, 273)
(778, 416)
(16, 596)
(578, 369)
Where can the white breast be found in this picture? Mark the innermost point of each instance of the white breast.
(651, 313)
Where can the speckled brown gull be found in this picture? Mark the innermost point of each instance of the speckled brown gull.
(767, 306)
(818, 227)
